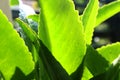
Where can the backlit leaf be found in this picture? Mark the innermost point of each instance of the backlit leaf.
(107, 11)
(41, 74)
(89, 19)
(13, 52)
(86, 74)
(52, 66)
(110, 52)
(61, 32)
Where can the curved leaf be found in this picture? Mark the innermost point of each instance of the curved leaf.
(110, 52)
(26, 28)
(61, 32)
(107, 11)
(89, 19)
(13, 52)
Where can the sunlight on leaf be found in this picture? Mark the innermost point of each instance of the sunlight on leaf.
(89, 19)
(35, 49)
(107, 11)
(13, 52)
(110, 52)
(61, 31)
(52, 66)
(86, 75)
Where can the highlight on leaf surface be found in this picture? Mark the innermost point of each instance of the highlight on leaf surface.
(89, 19)
(13, 51)
(107, 11)
(110, 52)
(61, 32)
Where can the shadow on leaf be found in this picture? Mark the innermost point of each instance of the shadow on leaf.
(53, 67)
(77, 75)
(19, 75)
(113, 73)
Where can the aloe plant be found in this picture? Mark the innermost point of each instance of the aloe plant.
(61, 49)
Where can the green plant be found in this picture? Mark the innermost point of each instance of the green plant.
(61, 50)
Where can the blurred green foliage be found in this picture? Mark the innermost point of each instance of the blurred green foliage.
(14, 2)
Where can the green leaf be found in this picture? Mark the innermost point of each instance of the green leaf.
(113, 73)
(33, 21)
(110, 52)
(107, 11)
(95, 62)
(14, 2)
(52, 66)
(89, 19)
(28, 31)
(35, 49)
(61, 32)
(77, 75)
(1, 76)
(34, 17)
(86, 74)
(19, 75)
(30, 37)
(13, 52)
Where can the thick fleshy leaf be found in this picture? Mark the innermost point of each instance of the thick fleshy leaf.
(95, 62)
(107, 11)
(89, 19)
(13, 52)
(110, 52)
(61, 32)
